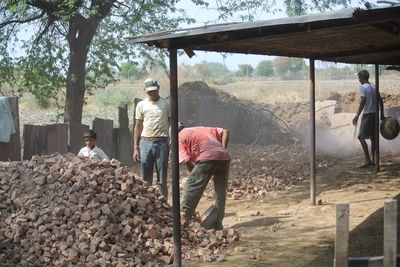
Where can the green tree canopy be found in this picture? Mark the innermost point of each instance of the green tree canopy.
(74, 42)
(245, 70)
(131, 70)
(295, 67)
(281, 65)
(203, 70)
(300, 7)
(206, 70)
(265, 68)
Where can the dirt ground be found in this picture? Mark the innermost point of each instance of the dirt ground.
(283, 229)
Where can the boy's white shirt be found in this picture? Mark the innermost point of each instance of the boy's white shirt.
(95, 153)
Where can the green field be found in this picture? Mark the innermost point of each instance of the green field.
(104, 102)
(275, 91)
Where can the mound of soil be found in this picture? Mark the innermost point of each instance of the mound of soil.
(350, 101)
(391, 100)
(296, 115)
(67, 211)
(249, 123)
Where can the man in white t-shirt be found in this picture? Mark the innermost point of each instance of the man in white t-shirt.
(151, 146)
(91, 150)
(368, 106)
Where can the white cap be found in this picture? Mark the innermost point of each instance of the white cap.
(151, 84)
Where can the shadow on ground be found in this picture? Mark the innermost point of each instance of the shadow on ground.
(266, 221)
(365, 240)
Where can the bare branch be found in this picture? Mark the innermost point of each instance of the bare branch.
(104, 8)
(22, 21)
(47, 6)
(60, 30)
(50, 22)
(387, 2)
(118, 4)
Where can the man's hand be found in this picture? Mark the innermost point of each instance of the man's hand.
(355, 119)
(136, 154)
(189, 166)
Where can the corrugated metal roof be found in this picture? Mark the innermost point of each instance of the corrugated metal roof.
(368, 36)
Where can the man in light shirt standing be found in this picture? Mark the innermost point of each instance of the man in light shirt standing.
(367, 106)
(151, 146)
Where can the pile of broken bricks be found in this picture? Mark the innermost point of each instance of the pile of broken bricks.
(64, 210)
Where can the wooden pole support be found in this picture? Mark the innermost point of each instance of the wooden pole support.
(377, 121)
(390, 233)
(342, 235)
(173, 79)
(312, 133)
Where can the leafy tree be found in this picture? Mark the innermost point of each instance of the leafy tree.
(204, 70)
(296, 65)
(301, 7)
(185, 71)
(359, 67)
(287, 66)
(265, 68)
(217, 69)
(245, 70)
(130, 70)
(74, 42)
(281, 65)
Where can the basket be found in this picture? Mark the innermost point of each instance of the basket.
(389, 128)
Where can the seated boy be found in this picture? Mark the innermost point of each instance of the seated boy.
(91, 150)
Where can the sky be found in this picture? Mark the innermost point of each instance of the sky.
(232, 60)
(203, 16)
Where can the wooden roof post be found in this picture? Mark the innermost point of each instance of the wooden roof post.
(377, 167)
(173, 79)
(342, 235)
(390, 233)
(312, 131)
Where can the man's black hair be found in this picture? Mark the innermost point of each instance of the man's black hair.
(90, 134)
(364, 74)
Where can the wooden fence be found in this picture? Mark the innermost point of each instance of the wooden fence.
(389, 258)
(12, 149)
(63, 138)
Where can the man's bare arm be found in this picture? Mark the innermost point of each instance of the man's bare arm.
(225, 138)
(360, 108)
(136, 138)
(381, 107)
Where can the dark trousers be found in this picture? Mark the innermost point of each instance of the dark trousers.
(155, 153)
(197, 182)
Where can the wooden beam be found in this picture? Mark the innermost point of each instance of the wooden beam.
(378, 15)
(355, 52)
(235, 35)
(389, 27)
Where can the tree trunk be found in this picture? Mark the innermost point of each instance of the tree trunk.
(75, 88)
(80, 36)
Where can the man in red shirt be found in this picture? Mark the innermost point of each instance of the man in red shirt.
(201, 149)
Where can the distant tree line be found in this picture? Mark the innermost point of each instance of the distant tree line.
(284, 68)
